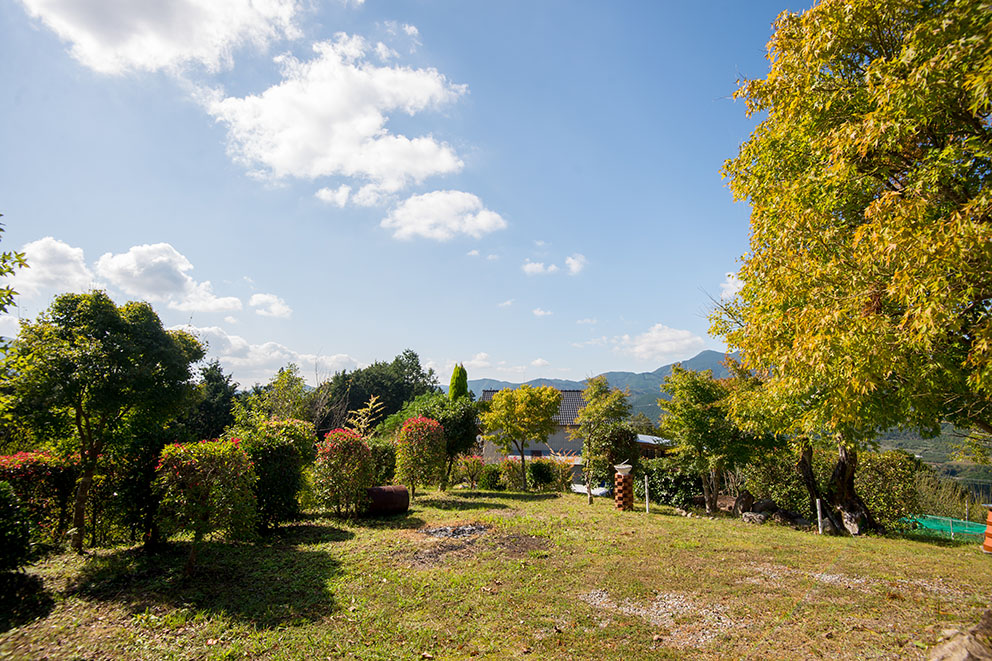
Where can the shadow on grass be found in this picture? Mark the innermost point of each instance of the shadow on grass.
(266, 584)
(936, 540)
(504, 495)
(459, 503)
(395, 522)
(23, 598)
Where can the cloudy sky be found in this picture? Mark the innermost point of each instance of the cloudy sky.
(530, 188)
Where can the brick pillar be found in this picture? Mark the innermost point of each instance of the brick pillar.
(623, 493)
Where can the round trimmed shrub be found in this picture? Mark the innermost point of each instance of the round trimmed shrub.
(14, 532)
(540, 474)
(420, 452)
(343, 472)
(383, 461)
(300, 433)
(44, 485)
(279, 467)
(206, 487)
(489, 478)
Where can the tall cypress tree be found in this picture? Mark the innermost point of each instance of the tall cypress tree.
(459, 383)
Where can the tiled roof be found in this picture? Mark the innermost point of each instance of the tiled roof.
(571, 402)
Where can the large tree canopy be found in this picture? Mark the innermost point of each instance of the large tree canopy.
(868, 285)
(94, 364)
(516, 418)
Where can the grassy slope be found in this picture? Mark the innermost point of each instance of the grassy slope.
(655, 586)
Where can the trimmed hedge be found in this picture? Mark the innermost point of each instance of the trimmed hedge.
(15, 534)
(44, 485)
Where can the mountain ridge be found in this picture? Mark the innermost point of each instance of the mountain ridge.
(644, 386)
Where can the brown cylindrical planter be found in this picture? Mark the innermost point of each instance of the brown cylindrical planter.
(384, 501)
(623, 493)
(987, 546)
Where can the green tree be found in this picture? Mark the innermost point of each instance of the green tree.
(696, 419)
(516, 418)
(458, 417)
(10, 261)
(868, 282)
(458, 386)
(212, 409)
(603, 408)
(94, 363)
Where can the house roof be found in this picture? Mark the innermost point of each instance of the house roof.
(571, 402)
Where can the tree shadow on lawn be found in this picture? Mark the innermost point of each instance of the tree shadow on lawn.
(458, 502)
(23, 599)
(503, 495)
(266, 584)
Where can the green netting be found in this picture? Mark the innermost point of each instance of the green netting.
(946, 526)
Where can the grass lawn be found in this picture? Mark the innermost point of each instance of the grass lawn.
(548, 577)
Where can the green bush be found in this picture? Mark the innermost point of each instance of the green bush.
(383, 461)
(470, 467)
(489, 478)
(669, 482)
(279, 468)
(206, 487)
(775, 476)
(343, 472)
(300, 433)
(14, 530)
(44, 485)
(420, 453)
(540, 473)
(510, 475)
(886, 481)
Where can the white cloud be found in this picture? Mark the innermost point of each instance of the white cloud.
(159, 272)
(478, 361)
(538, 312)
(52, 264)
(117, 37)
(231, 320)
(473, 253)
(588, 321)
(384, 52)
(10, 325)
(507, 303)
(411, 30)
(538, 268)
(441, 215)
(251, 363)
(539, 362)
(593, 342)
(492, 258)
(660, 343)
(270, 305)
(328, 115)
(338, 196)
(576, 263)
(730, 286)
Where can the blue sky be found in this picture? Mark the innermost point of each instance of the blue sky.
(530, 188)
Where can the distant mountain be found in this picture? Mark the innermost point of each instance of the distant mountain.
(644, 386)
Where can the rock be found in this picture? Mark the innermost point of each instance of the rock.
(753, 517)
(974, 645)
(764, 506)
(681, 512)
(802, 523)
(782, 516)
(744, 502)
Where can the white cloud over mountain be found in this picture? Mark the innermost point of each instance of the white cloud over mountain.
(121, 36)
(442, 215)
(660, 343)
(328, 115)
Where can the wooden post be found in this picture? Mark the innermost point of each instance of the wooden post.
(647, 500)
(819, 516)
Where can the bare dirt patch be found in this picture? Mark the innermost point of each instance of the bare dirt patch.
(444, 543)
(777, 575)
(518, 546)
(683, 621)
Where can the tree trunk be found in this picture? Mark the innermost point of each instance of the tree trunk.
(706, 490)
(854, 514)
(523, 470)
(805, 468)
(79, 507)
(589, 485)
